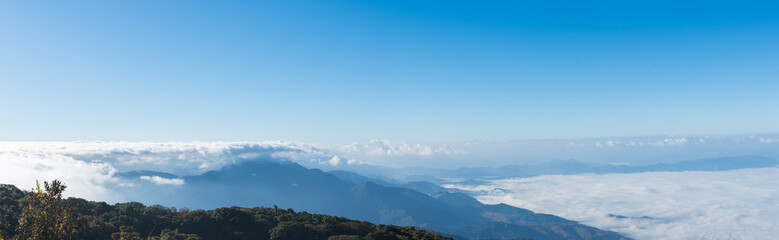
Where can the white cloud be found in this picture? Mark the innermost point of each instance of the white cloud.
(182, 158)
(388, 148)
(334, 161)
(671, 142)
(653, 141)
(163, 181)
(768, 140)
(83, 179)
(88, 168)
(738, 204)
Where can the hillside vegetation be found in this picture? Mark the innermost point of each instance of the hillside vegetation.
(76, 218)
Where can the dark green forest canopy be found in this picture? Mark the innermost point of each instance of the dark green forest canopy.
(99, 220)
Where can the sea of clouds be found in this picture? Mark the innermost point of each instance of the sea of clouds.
(737, 204)
(620, 150)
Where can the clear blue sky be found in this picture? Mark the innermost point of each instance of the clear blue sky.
(341, 71)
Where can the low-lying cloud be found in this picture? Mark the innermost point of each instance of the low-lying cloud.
(738, 204)
(182, 158)
(163, 181)
(92, 180)
(89, 168)
(389, 148)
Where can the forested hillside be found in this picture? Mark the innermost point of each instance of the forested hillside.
(134, 221)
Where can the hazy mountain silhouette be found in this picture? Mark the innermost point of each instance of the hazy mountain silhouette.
(419, 186)
(571, 166)
(289, 185)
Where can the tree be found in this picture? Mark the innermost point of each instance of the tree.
(125, 234)
(9, 207)
(287, 230)
(345, 237)
(47, 216)
(168, 234)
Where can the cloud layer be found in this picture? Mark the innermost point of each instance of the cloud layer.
(92, 180)
(738, 204)
(89, 168)
(163, 181)
(378, 147)
(183, 158)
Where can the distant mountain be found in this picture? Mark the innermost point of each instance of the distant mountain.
(289, 185)
(562, 167)
(457, 199)
(710, 164)
(388, 201)
(419, 186)
(358, 179)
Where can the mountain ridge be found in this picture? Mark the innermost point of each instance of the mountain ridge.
(289, 185)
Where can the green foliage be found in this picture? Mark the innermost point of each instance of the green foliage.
(46, 215)
(9, 207)
(345, 237)
(135, 221)
(168, 234)
(288, 230)
(125, 234)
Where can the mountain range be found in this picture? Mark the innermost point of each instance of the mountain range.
(346, 194)
(475, 175)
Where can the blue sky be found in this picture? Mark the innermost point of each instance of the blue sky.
(342, 71)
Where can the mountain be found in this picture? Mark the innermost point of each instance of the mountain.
(289, 185)
(99, 220)
(420, 186)
(710, 164)
(562, 167)
(456, 199)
